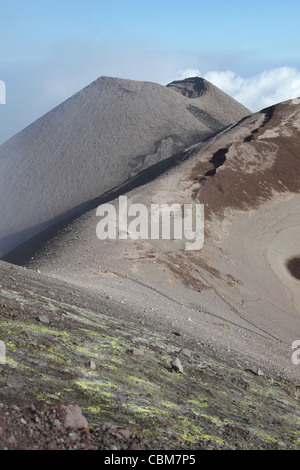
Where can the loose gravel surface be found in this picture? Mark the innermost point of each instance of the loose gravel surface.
(78, 374)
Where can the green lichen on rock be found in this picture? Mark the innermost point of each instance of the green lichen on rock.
(209, 401)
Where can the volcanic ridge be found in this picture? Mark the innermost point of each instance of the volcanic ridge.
(160, 347)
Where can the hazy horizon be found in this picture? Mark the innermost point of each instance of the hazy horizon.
(52, 50)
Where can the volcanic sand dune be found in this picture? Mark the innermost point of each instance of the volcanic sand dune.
(96, 140)
(236, 295)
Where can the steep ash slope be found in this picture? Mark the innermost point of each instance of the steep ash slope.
(89, 144)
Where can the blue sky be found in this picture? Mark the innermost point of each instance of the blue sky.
(50, 50)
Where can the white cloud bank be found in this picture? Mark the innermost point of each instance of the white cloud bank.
(257, 92)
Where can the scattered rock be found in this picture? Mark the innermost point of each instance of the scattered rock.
(11, 441)
(124, 433)
(138, 352)
(93, 365)
(185, 352)
(177, 333)
(176, 365)
(162, 419)
(73, 436)
(52, 396)
(43, 319)
(256, 370)
(72, 417)
(281, 445)
(106, 426)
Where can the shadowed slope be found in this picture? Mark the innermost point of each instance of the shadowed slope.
(201, 91)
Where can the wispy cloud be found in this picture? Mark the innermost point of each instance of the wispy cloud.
(47, 83)
(257, 92)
